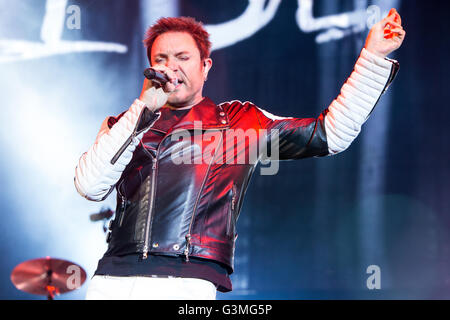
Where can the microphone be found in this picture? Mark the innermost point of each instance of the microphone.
(103, 214)
(157, 76)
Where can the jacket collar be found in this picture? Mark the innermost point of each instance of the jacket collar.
(205, 113)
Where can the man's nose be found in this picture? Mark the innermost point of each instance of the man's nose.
(172, 64)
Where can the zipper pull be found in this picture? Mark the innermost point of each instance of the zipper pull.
(122, 149)
(145, 253)
(122, 210)
(188, 244)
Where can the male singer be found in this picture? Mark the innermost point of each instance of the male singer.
(173, 235)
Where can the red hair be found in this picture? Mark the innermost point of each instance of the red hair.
(179, 24)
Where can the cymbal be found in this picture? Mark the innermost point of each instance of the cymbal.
(48, 276)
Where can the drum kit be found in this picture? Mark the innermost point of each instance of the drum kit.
(51, 277)
(48, 276)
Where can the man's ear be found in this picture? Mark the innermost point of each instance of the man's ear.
(207, 64)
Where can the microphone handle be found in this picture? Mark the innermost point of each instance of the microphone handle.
(157, 76)
(104, 214)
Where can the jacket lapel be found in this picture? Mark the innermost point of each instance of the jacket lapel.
(205, 114)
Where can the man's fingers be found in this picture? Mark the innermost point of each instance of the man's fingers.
(173, 79)
(391, 25)
(395, 15)
(397, 30)
(393, 19)
(169, 87)
(401, 33)
(169, 73)
(388, 29)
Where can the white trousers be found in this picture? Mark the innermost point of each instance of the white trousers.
(149, 288)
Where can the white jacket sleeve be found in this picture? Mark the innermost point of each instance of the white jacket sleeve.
(347, 113)
(97, 173)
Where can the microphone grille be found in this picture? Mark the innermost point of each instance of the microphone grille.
(149, 73)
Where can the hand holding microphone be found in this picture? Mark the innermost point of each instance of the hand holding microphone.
(156, 76)
(163, 77)
(159, 83)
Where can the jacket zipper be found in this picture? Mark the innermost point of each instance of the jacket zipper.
(147, 230)
(188, 235)
(146, 248)
(122, 211)
(394, 70)
(122, 148)
(122, 204)
(128, 141)
(231, 210)
(152, 195)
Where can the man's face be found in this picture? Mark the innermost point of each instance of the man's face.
(178, 51)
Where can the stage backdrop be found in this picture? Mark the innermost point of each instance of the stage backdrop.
(319, 228)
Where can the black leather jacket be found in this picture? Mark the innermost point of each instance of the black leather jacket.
(191, 209)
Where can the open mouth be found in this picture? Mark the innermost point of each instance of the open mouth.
(179, 83)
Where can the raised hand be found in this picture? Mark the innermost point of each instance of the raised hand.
(386, 36)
